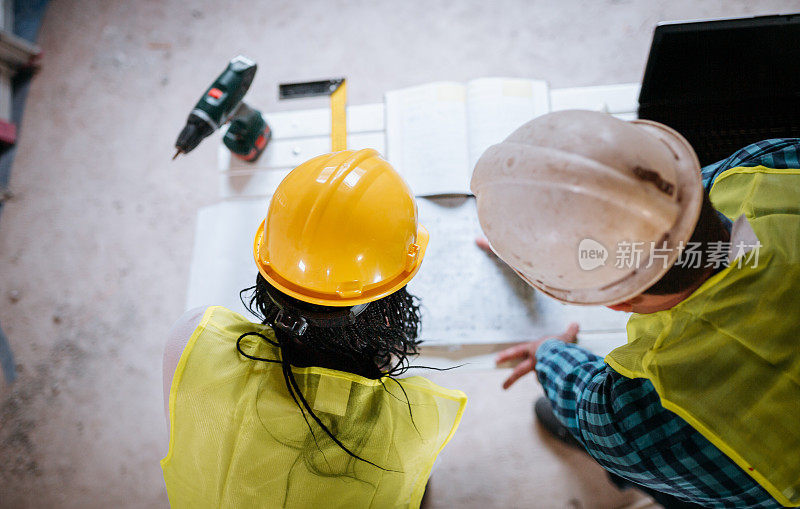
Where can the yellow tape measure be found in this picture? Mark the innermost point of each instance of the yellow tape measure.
(339, 118)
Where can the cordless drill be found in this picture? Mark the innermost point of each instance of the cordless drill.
(217, 104)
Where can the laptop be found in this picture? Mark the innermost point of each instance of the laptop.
(724, 84)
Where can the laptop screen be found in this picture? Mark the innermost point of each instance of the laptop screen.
(723, 61)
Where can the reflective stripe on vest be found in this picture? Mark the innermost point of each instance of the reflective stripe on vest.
(727, 359)
(237, 438)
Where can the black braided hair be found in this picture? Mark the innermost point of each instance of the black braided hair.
(378, 344)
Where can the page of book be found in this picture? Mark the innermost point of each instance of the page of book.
(436, 132)
(498, 106)
(426, 137)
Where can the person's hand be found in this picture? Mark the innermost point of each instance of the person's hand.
(483, 243)
(526, 353)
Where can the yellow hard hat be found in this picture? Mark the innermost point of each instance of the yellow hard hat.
(566, 191)
(341, 230)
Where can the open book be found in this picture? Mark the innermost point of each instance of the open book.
(435, 133)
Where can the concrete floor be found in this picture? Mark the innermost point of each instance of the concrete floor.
(94, 246)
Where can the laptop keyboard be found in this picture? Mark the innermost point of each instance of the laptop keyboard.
(716, 134)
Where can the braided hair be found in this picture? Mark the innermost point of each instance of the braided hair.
(379, 343)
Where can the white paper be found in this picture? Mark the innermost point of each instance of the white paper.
(482, 356)
(222, 259)
(496, 107)
(436, 132)
(469, 296)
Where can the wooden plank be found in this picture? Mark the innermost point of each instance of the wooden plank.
(260, 183)
(317, 122)
(626, 116)
(239, 178)
(622, 98)
(293, 152)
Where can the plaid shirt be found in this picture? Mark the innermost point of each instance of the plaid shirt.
(620, 421)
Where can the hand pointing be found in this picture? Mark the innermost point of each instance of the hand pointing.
(526, 354)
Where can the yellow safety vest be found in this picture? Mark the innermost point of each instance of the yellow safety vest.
(237, 439)
(727, 359)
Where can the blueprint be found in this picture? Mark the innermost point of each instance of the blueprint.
(468, 296)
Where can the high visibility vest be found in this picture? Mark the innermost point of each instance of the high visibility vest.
(238, 439)
(727, 359)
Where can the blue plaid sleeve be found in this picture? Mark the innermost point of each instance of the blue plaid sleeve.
(565, 371)
(778, 153)
(622, 425)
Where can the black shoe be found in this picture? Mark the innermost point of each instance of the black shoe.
(544, 414)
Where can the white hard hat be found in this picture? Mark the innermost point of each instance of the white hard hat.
(567, 192)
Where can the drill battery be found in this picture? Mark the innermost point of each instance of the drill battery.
(248, 134)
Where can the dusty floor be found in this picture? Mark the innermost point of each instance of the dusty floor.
(94, 246)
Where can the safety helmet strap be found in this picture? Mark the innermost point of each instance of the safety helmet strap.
(294, 319)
